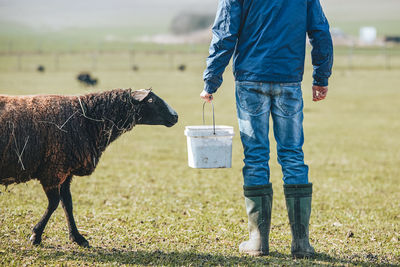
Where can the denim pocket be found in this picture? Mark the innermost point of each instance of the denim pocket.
(249, 96)
(290, 100)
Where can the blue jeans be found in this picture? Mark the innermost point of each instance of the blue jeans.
(255, 101)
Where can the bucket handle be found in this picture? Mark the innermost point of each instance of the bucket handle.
(204, 122)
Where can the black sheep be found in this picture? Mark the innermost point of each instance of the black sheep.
(52, 138)
(40, 68)
(86, 79)
(182, 67)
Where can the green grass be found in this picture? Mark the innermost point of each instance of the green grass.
(145, 206)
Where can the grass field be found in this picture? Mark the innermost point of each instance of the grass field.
(144, 206)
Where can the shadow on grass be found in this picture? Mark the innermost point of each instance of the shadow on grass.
(117, 256)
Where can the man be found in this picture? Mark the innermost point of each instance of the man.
(268, 41)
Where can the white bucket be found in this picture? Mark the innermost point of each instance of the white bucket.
(209, 147)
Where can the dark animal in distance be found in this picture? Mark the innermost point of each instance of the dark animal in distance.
(87, 79)
(182, 67)
(394, 39)
(40, 68)
(52, 138)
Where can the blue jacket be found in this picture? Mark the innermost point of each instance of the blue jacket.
(267, 39)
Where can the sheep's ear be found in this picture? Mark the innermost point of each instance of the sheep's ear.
(141, 94)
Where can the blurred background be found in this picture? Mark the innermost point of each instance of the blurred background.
(352, 138)
(45, 26)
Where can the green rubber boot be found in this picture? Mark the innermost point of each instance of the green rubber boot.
(298, 204)
(258, 201)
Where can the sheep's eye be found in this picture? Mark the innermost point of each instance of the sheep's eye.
(150, 100)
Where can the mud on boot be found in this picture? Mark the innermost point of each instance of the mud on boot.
(258, 200)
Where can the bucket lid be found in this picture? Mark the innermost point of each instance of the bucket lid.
(208, 130)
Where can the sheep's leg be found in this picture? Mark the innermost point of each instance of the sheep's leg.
(53, 196)
(66, 202)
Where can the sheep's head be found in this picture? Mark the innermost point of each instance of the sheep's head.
(153, 110)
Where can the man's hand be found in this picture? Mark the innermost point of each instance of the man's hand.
(206, 96)
(319, 92)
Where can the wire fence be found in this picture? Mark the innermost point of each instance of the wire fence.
(348, 58)
(104, 61)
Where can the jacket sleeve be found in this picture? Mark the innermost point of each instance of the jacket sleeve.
(321, 41)
(225, 34)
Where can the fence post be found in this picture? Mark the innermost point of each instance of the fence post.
(171, 59)
(387, 57)
(56, 61)
(350, 56)
(19, 62)
(39, 46)
(94, 61)
(131, 58)
(10, 46)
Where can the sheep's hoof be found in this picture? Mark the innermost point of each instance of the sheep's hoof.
(80, 240)
(35, 239)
